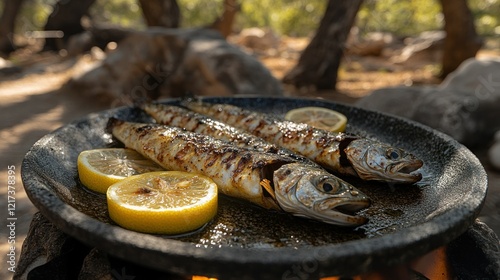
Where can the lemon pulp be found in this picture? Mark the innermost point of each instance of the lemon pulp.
(318, 117)
(100, 168)
(168, 202)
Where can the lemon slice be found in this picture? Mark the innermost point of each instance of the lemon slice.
(100, 168)
(168, 202)
(318, 117)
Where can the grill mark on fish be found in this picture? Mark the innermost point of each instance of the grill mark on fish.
(211, 161)
(299, 138)
(175, 149)
(341, 153)
(191, 121)
(250, 175)
(229, 159)
(242, 163)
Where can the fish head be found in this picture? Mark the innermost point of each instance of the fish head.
(316, 194)
(381, 162)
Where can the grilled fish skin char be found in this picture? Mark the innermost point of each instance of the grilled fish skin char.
(339, 152)
(260, 178)
(191, 121)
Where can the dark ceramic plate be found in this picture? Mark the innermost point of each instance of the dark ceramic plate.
(405, 221)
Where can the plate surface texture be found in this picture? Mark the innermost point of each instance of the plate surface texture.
(405, 221)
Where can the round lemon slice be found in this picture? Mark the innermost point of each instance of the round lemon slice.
(100, 168)
(168, 202)
(318, 117)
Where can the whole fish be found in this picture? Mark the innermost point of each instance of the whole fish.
(338, 152)
(268, 180)
(179, 117)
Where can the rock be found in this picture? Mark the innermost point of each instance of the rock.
(497, 136)
(5, 63)
(481, 76)
(79, 43)
(400, 101)
(46, 248)
(367, 48)
(465, 106)
(373, 44)
(494, 155)
(96, 266)
(426, 48)
(214, 67)
(483, 253)
(426, 38)
(494, 151)
(170, 62)
(48, 253)
(95, 36)
(260, 39)
(8, 68)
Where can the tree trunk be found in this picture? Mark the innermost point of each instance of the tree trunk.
(163, 13)
(66, 17)
(319, 62)
(462, 41)
(224, 23)
(11, 9)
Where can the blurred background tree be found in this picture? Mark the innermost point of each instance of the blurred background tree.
(161, 13)
(292, 18)
(319, 63)
(285, 17)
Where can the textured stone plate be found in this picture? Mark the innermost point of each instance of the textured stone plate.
(405, 221)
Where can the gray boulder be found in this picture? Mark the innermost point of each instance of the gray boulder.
(494, 152)
(465, 106)
(258, 39)
(48, 253)
(170, 62)
(427, 47)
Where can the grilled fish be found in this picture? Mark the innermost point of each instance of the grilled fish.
(341, 153)
(268, 180)
(179, 117)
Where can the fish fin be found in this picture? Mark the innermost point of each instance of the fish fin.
(112, 122)
(189, 98)
(266, 184)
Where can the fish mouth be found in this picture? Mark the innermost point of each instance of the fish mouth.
(405, 171)
(342, 211)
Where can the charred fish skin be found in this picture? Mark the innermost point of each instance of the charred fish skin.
(245, 174)
(191, 121)
(179, 117)
(339, 152)
(237, 172)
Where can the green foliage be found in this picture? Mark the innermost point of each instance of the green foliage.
(301, 17)
(33, 15)
(126, 13)
(199, 13)
(290, 17)
(295, 18)
(412, 17)
(400, 17)
(287, 17)
(487, 15)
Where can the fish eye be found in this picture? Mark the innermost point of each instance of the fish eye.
(328, 186)
(392, 154)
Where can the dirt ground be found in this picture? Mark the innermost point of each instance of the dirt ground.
(32, 105)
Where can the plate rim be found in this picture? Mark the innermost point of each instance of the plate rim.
(75, 224)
